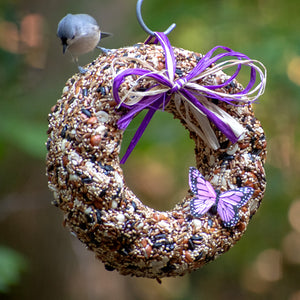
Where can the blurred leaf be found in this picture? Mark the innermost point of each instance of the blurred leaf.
(12, 264)
(25, 134)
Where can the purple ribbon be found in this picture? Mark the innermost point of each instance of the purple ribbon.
(158, 102)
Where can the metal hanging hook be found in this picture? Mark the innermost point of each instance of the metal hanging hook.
(142, 23)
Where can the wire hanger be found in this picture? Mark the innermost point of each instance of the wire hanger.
(142, 23)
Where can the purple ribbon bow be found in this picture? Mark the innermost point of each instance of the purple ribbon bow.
(159, 101)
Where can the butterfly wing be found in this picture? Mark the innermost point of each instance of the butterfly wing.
(230, 201)
(205, 195)
(200, 186)
(228, 213)
(201, 205)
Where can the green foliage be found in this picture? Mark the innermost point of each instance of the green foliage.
(27, 136)
(12, 265)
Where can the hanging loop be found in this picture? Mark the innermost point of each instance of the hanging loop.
(142, 23)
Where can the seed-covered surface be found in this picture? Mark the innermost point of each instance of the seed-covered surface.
(100, 209)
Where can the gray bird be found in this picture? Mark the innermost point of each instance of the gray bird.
(80, 34)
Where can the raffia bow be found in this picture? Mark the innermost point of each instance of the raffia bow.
(186, 91)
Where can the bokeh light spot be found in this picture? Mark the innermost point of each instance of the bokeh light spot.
(295, 296)
(294, 213)
(291, 247)
(269, 265)
(9, 37)
(293, 70)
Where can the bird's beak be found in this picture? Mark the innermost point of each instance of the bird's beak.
(105, 34)
(64, 48)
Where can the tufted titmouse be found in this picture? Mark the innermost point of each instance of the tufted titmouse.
(80, 34)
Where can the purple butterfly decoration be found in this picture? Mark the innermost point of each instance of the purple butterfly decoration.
(225, 204)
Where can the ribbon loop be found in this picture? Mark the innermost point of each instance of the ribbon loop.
(187, 90)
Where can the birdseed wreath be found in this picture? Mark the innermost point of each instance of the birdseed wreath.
(85, 134)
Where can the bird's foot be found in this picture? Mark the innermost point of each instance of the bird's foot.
(104, 50)
(82, 70)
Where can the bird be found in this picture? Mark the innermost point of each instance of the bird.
(80, 34)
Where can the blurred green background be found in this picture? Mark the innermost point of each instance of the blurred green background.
(39, 259)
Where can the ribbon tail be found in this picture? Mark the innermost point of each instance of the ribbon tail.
(138, 134)
(221, 125)
(236, 128)
(134, 110)
(207, 133)
(203, 129)
(214, 117)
